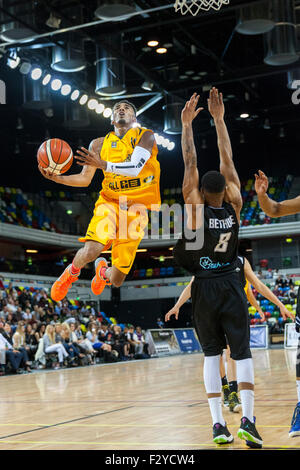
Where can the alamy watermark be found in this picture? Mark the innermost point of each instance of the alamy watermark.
(130, 222)
(296, 94)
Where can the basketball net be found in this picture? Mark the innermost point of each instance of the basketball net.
(194, 6)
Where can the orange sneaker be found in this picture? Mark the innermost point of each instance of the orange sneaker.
(99, 282)
(61, 286)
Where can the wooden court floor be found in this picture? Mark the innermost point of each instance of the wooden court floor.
(153, 404)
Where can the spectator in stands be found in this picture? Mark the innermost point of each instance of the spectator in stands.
(19, 344)
(9, 354)
(1, 283)
(50, 345)
(103, 332)
(160, 323)
(92, 335)
(31, 341)
(141, 337)
(40, 331)
(84, 346)
(120, 343)
(67, 335)
(136, 345)
(27, 315)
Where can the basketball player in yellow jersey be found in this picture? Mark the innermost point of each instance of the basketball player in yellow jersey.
(127, 157)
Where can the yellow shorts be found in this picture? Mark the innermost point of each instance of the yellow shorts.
(120, 228)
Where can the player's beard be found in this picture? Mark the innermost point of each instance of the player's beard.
(122, 121)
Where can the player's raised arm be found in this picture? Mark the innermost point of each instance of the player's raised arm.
(184, 296)
(270, 207)
(265, 291)
(227, 168)
(190, 186)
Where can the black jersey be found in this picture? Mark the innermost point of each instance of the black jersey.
(218, 254)
(241, 270)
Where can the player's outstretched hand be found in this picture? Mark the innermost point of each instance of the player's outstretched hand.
(285, 313)
(173, 311)
(90, 158)
(261, 314)
(48, 174)
(215, 104)
(261, 183)
(189, 112)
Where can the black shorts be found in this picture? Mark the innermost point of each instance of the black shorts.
(220, 308)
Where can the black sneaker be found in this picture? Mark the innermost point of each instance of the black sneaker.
(221, 435)
(249, 433)
(234, 402)
(226, 393)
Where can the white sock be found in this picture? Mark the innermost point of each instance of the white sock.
(215, 405)
(247, 399)
(298, 389)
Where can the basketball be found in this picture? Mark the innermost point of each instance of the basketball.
(55, 155)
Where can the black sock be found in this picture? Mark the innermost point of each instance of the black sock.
(224, 381)
(233, 386)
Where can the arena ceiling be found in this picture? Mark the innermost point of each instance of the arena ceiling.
(202, 51)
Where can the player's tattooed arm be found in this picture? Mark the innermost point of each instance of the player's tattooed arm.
(270, 207)
(190, 186)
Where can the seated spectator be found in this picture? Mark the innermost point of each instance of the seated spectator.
(67, 335)
(9, 354)
(60, 337)
(31, 341)
(40, 331)
(160, 323)
(92, 335)
(84, 346)
(19, 344)
(120, 343)
(141, 338)
(27, 315)
(136, 346)
(51, 345)
(83, 343)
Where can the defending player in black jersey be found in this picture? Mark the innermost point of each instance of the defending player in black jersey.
(279, 209)
(218, 300)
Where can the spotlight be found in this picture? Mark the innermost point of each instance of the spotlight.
(136, 124)
(161, 50)
(153, 43)
(171, 146)
(83, 99)
(107, 112)
(165, 143)
(25, 68)
(53, 21)
(244, 115)
(147, 86)
(56, 84)
(46, 79)
(92, 103)
(99, 108)
(36, 73)
(65, 89)
(159, 139)
(13, 61)
(75, 95)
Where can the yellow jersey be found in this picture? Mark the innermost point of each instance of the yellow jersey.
(143, 189)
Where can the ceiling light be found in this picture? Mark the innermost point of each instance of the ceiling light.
(244, 115)
(36, 73)
(142, 250)
(83, 99)
(66, 89)
(148, 86)
(189, 72)
(153, 43)
(75, 94)
(99, 108)
(92, 104)
(56, 84)
(13, 61)
(31, 251)
(25, 68)
(107, 112)
(165, 143)
(159, 139)
(136, 124)
(196, 77)
(46, 79)
(69, 211)
(161, 50)
(171, 146)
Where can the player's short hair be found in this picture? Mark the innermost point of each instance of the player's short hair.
(213, 182)
(127, 102)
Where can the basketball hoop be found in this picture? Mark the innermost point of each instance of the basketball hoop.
(193, 6)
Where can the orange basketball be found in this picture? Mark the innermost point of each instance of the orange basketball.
(55, 155)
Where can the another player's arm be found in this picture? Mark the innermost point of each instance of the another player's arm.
(270, 207)
(227, 167)
(82, 179)
(265, 291)
(184, 296)
(253, 302)
(139, 157)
